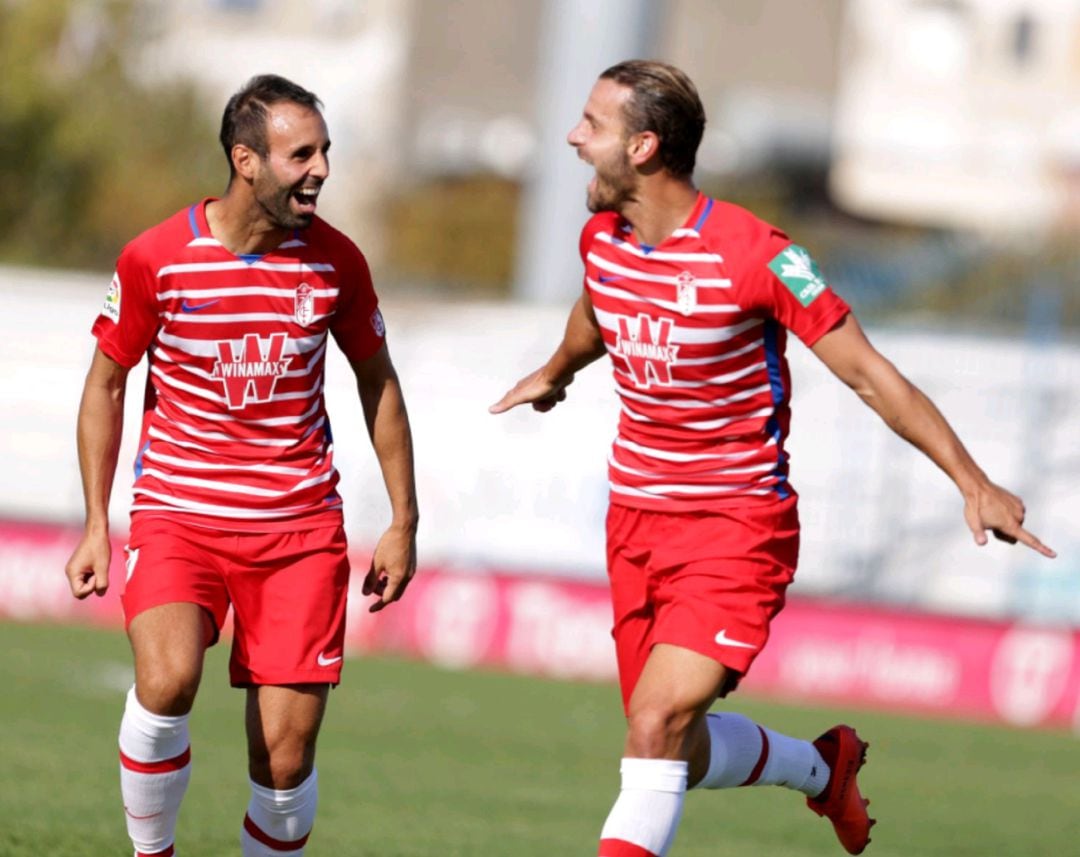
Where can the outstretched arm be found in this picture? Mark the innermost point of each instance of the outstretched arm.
(908, 412)
(394, 562)
(582, 343)
(100, 425)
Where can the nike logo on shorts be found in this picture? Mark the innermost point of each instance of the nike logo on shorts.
(722, 639)
(325, 661)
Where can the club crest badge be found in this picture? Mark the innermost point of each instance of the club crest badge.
(377, 323)
(304, 305)
(686, 292)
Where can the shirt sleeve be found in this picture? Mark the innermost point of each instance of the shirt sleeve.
(129, 319)
(357, 325)
(786, 284)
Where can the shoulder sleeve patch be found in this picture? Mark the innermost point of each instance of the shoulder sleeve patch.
(800, 273)
(111, 309)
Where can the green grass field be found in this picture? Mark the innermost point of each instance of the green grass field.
(419, 762)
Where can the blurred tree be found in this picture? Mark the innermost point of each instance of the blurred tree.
(88, 158)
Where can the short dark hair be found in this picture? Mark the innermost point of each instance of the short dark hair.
(665, 101)
(244, 119)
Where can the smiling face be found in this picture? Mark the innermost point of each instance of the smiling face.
(601, 139)
(286, 182)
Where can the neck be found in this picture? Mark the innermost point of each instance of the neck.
(661, 206)
(240, 224)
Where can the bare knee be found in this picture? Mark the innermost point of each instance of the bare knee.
(281, 760)
(659, 730)
(167, 689)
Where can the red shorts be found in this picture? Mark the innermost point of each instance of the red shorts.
(706, 581)
(288, 591)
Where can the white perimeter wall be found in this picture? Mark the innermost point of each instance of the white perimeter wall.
(527, 492)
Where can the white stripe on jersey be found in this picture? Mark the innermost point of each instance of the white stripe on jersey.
(261, 467)
(694, 404)
(186, 444)
(242, 291)
(269, 421)
(665, 455)
(631, 273)
(663, 492)
(254, 441)
(727, 355)
(767, 466)
(240, 265)
(211, 318)
(622, 294)
(208, 348)
(708, 382)
(683, 334)
(173, 503)
(232, 487)
(662, 255)
(217, 396)
(705, 425)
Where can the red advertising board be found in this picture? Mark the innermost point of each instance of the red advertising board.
(820, 651)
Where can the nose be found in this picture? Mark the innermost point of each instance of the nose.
(320, 166)
(576, 137)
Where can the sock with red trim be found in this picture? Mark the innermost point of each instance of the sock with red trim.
(278, 822)
(155, 766)
(643, 821)
(742, 753)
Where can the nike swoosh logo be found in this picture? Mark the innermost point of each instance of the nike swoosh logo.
(604, 279)
(722, 639)
(187, 307)
(325, 662)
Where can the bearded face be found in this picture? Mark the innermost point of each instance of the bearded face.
(613, 185)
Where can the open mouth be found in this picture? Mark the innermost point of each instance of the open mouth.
(306, 198)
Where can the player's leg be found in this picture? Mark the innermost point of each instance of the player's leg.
(289, 601)
(174, 603)
(282, 726)
(168, 642)
(664, 715)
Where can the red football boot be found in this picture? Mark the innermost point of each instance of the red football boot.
(841, 802)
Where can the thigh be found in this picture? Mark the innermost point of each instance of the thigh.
(169, 563)
(632, 609)
(289, 594)
(168, 643)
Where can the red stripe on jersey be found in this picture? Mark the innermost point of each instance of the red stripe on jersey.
(260, 835)
(696, 329)
(165, 766)
(622, 848)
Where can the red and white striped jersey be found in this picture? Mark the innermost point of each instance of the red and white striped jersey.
(696, 329)
(235, 432)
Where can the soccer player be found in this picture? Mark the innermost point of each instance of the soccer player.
(235, 502)
(692, 298)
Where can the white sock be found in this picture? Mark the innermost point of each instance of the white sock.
(648, 808)
(745, 754)
(278, 822)
(155, 766)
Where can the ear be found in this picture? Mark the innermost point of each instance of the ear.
(643, 146)
(245, 161)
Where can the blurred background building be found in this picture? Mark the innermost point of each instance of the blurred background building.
(928, 151)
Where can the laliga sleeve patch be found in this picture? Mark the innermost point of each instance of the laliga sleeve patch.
(377, 323)
(112, 300)
(796, 270)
